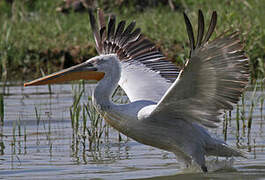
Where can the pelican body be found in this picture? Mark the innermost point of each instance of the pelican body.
(169, 108)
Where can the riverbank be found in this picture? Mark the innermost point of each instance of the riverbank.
(35, 38)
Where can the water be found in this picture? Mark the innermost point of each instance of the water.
(44, 146)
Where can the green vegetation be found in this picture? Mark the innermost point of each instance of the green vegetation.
(244, 111)
(87, 124)
(82, 131)
(34, 37)
(96, 128)
(2, 111)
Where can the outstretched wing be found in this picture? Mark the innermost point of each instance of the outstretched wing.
(146, 73)
(213, 79)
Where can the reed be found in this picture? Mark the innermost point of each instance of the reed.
(2, 147)
(87, 123)
(13, 145)
(250, 117)
(75, 109)
(14, 132)
(2, 109)
(252, 106)
(38, 117)
(48, 131)
(75, 112)
(13, 142)
(237, 121)
(43, 74)
(25, 139)
(2, 144)
(262, 98)
(243, 111)
(225, 125)
(96, 128)
(19, 127)
(84, 127)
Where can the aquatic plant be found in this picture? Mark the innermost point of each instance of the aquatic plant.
(225, 125)
(92, 132)
(96, 128)
(37, 114)
(13, 144)
(253, 104)
(243, 111)
(19, 127)
(237, 121)
(87, 124)
(2, 110)
(261, 98)
(43, 74)
(2, 147)
(75, 109)
(25, 139)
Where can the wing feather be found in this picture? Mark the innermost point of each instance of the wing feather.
(142, 62)
(119, 31)
(189, 31)
(200, 29)
(111, 28)
(212, 80)
(211, 27)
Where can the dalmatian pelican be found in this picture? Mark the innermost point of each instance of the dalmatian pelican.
(169, 108)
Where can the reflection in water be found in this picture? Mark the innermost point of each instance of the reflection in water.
(40, 135)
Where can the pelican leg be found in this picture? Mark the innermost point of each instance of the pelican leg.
(204, 169)
(181, 157)
(199, 158)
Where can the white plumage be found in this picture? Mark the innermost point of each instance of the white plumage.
(168, 108)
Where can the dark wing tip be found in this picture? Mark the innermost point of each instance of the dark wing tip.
(211, 27)
(111, 27)
(94, 28)
(200, 29)
(201, 39)
(189, 31)
(129, 44)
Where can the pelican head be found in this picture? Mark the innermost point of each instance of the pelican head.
(92, 69)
